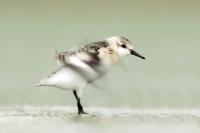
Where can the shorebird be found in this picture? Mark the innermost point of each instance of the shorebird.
(80, 67)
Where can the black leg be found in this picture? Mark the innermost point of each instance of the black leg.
(80, 108)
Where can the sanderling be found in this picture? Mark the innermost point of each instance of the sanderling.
(82, 66)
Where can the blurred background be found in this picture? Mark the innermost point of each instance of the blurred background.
(167, 33)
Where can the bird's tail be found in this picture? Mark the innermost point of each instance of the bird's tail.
(41, 83)
(38, 84)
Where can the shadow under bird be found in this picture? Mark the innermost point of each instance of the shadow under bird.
(77, 68)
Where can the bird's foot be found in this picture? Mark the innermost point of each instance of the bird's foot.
(82, 112)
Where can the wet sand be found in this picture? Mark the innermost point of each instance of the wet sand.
(28, 119)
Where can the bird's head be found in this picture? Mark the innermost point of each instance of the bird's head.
(122, 46)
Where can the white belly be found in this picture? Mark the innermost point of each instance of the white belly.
(65, 78)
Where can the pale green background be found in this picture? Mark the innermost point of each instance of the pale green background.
(167, 33)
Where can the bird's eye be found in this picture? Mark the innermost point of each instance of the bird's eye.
(123, 46)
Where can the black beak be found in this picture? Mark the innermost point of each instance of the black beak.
(136, 54)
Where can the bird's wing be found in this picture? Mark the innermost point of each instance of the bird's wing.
(78, 62)
(60, 56)
(87, 54)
